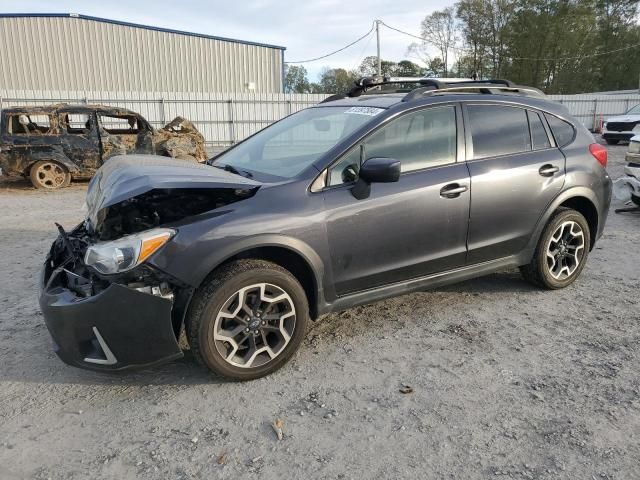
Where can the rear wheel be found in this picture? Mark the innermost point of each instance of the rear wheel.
(248, 320)
(561, 252)
(49, 175)
(611, 141)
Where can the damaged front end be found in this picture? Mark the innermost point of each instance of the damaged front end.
(113, 322)
(105, 306)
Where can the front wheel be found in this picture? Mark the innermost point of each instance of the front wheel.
(248, 319)
(561, 252)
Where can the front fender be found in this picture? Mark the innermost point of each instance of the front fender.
(170, 259)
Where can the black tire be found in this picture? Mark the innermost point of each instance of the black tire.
(49, 175)
(539, 271)
(612, 141)
(635, 199)
(221, 286)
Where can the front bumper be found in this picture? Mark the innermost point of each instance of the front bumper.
(624, 136)
(116, 329)
(632, 157)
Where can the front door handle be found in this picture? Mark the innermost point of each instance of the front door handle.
(548, 170)
(452, 190)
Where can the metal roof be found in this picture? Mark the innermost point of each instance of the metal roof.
(136, 25)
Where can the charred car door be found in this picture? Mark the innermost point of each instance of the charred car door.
(123, 134)
(407, 229)
(80, 140)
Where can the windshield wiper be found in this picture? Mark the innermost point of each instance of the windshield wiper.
(232, 169)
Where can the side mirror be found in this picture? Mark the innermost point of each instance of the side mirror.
(380, 170)
(375, 170)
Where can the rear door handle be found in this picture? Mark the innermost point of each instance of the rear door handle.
(548, 170)
(452, 190)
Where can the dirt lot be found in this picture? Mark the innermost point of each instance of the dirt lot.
(507, 381)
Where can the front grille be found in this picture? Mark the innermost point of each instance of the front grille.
(621, 126)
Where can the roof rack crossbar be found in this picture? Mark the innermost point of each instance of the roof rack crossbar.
(365, 83)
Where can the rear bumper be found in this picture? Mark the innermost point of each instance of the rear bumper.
(118, 328)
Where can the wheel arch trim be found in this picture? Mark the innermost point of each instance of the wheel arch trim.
(569, 194)
(293, 245)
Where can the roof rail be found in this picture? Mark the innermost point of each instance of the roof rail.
(485, 88)
(431, 86)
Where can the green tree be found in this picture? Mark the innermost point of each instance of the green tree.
(369, 67)
(295, 79)
(439, 31)
(336, 80)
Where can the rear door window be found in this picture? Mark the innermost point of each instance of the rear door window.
(76, 123)
(562, 131)
(498, 130)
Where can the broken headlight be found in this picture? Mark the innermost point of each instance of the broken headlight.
(127, 252)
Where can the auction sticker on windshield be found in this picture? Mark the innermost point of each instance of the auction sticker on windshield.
(369, 111)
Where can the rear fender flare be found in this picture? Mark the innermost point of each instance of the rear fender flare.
(554, 205)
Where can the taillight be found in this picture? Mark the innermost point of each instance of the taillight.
(599, 152)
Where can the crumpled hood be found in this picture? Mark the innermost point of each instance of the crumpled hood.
(624, 118)
(127, 176)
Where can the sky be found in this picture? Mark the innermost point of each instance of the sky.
(308, 29)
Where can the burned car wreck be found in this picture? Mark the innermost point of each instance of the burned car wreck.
(92, 291)
(50, 145)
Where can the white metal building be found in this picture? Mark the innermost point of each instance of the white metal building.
(76, 52)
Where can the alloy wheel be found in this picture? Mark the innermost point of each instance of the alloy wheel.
(254, 325)
(565, 250)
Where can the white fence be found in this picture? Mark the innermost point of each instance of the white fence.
(225, 119)
(592, 109)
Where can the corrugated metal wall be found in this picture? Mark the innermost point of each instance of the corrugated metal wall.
(62, 53)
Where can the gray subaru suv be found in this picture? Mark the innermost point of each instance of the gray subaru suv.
(397, 186)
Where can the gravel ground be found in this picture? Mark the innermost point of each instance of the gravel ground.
(507, 381)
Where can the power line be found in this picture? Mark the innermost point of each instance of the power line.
(525, 58)
(339, 50)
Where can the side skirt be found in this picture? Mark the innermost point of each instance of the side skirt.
(422, 283)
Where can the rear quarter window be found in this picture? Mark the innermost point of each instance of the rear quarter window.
(563, 132)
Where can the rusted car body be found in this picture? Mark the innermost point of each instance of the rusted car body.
(53, 144)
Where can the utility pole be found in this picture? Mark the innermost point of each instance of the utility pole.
(378, 49)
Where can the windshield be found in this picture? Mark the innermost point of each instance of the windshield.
(289, 146)
(634, 111)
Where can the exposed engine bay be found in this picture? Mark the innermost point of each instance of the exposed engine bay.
(160, 207)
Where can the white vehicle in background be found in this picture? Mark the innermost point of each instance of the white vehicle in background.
(627, 187)
(622, 128)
